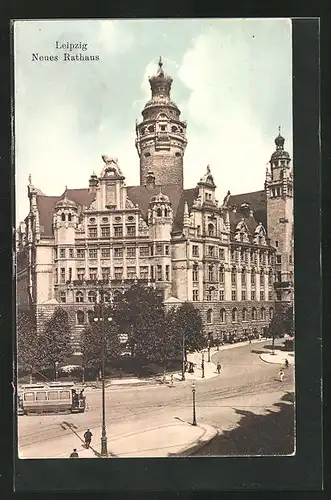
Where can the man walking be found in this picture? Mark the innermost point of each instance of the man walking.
(281, 375)
(218, 367)
(88, 437)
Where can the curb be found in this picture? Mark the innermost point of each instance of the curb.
(279, 362)
(209, 434)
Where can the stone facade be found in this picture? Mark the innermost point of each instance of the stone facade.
(222, 257)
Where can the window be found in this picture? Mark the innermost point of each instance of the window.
(53, 395)
(210, 251)
(211, 230)
(62, 253)
(159, 212)
(92, 232)
(80, 253)
(93, 273)
(233, 276)
(261, 278)
(131, 252)
(276, 243)
(279, 276)
(195, 295)
(253, 295)
(253, 277)
(246, 257)
(271, 312)
(210, 273)
(41, 396)
(55, 253)
(105, 232)
(198, 230)
(63, 217)
(208, 296)
(233, 295)
(234, 315)
(56, 277)
(222, 315)
(195, 275)
(158, 249)
(167, 273)
(243, 277)
(244, 314)
(222, 253)
(104, 219)
(92, 296)
(221, 274)
(278, 259)
(105, 273)
(70, 273)
(159, 272)
(243, 295)
(232, 254)
(261, 295)
(221, 294)
(195, 251)
(144, 251)
(65, 395)
(263, 258)
(167, 249)
(79, 297)
(80, 273)
(63, 297)
(71, 253)
(62, 275)
(143, 272)
(92, 220)
(118, 252)
(131, 272)
(254, 313)
(162, 127)
(209, 316)
(90, 316)
(237, 253)
(269, 295)
(93, 253)
(118, 231)
(262, 313)
(80, 317)
(290, 259)
(29, 396)
(118, 273)
(131, 231)
(105, 252)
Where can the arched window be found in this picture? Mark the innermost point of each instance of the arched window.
(151, 128)
(245, 317)
(243, 277)
(209, 316)
(92, 296)
(80, 317)
(211, 230)
(211, 273)
(106, 297)
(159, 212)
(223, 315)
(234, 315)
(233, 276)
(165, 212)
(90, 316)
(79, 297)
(69, 217)
(271, 312)
(173, 128)
(262, 313)
(63, 217)
(254, 313)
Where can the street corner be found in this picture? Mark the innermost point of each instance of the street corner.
(205, 433)
(278, 357)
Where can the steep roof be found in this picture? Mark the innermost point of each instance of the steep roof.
(257, 200)
(236, 217)
(188, 195)
(141, 195)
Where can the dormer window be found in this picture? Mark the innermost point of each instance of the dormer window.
(163, 127)
(63, 217)
(159, 212)
(211, 230)
(151, 128)
(69, 217)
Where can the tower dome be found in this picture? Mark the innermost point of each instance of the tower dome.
(66, 203)
(280, 153)
(160, 198)
(160, 83)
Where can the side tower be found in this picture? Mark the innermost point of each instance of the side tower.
(279, 194)
(161, 136)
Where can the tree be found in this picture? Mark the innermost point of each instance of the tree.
(27, 342)
(140, 313)
(99, 337)
(168, 342)
(189, 327)
(282, 322)
(54, 342)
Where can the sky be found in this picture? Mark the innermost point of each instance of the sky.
(232, 80)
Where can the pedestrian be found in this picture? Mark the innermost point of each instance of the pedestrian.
(74, 454)
(250, 339)
(88, 438)
(218, 367)
(286, 363)
(171, 381)
(281, 375)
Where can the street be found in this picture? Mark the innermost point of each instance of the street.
(246, 389)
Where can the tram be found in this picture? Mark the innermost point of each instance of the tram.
(53, 397)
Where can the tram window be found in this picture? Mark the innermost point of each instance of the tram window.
(65, 395)
(53, 395)
(29, 396)
(41, 396)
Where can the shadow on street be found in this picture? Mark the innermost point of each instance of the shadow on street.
(270, 434)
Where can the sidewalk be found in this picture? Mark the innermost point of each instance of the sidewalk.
(142, 440)
(278, 357)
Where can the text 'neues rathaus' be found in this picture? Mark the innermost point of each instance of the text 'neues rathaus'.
(232, 259)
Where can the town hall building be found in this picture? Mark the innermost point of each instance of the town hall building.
(233, 259)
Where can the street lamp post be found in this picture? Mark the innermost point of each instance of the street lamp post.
(208, 344)
(193, 402)
(183, 357)
(104, 449)
(202, 364)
